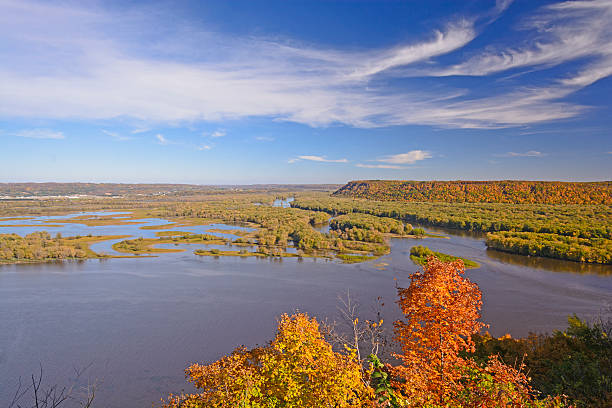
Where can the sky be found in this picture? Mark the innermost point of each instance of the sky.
(288, 91)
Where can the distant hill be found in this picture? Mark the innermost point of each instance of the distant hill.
(34, 190)
(506, 191)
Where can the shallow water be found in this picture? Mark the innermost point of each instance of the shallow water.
(140, 322)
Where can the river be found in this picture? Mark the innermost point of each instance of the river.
(137, 323)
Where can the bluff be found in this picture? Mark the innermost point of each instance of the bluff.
(505, 191)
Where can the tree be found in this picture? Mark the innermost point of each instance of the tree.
(297, 369)
(441, 310)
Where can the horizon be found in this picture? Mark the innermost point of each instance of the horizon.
(321, 92)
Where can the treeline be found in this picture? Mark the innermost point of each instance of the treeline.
(39, 246)
(569, 220)
(34, 190)
(507, 191)
(580, 233)
(369, 222)
(596, 250)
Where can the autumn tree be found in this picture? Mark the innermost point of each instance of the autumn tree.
(297, 369)
(441, 310)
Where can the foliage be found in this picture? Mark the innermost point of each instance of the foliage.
(369, 222)
(297, 369)
(421, 254)
(40, 246)
(507, 191)
(589, 222)
(380, 381)
(576, 362)
(441, 309)
(596, 250)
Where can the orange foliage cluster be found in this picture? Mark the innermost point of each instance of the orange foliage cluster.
(298, 368)
(507, 191)
(441, 309)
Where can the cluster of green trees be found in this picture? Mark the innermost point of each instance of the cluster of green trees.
(571, 220)
(507, 191)
(595, 250)
(279, 227)
(421, 255)
(39, 246)
(358, 234)
(576, 362)
(590, 226)
(369, 222)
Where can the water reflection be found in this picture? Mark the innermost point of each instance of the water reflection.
(549, 264)
(285, 203)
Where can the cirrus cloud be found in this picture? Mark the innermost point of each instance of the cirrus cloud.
(406, 158)
(320, 159)
(39, 134)
(98, 69)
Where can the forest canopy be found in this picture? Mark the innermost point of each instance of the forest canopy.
(507, 191)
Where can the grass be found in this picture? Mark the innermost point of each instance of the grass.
(351, 258)
(145, 245)
(243, 254)
(419, 255)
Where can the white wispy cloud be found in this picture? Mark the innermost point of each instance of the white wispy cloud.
(561, 32)
(161, 139)
(97, 68)
(320, 159)
(39, 134)
(205, 147)
(140, 130)
(116, 136)
(380, 166)
(218, 133)
(455, 36)
(264, 138)
(406, 158)
(530, 153)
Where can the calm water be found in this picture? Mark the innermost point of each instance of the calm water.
(140, 322)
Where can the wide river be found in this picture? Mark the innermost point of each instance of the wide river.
(137, 323)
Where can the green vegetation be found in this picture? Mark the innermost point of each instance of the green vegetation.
(420, 254)
(507, 191)
(592, 223)
(369, 222)
(352, 258)
(576, 362)
(574, 232)
(145, 245)
(595, 250)
(571, 220)
(244, 253)
(40, 247)
(279, 227)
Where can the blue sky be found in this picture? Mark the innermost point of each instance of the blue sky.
(221, 92)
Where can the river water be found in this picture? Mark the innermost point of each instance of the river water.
(137, 323)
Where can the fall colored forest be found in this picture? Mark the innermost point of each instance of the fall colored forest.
(507, 191)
